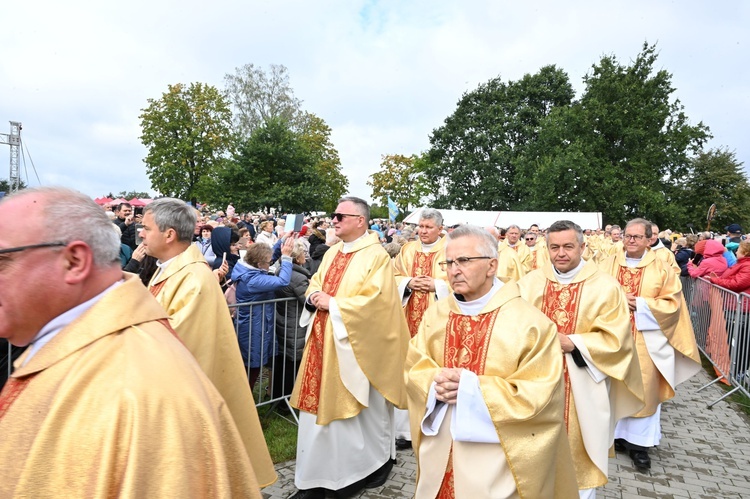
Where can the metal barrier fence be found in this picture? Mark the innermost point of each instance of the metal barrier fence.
(719, 321)
(271, 341)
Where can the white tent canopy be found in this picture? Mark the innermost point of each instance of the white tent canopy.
(524, 219)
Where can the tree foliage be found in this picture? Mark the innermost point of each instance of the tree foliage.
(471, 163)
(401, 179)
(315, 136)
(5, 185)
(257, 97)
(186, 131)
(716, 177)
(272, 168)
(133, 194)
(622, 149)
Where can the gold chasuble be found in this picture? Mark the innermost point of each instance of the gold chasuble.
(667, 258)
(509, 265)
(662, 291)
(523, 252)
(539, 256)
(190, 293)
(513, 348)
(377, 332)
(412, 262)
(115, 406)
(593, 311)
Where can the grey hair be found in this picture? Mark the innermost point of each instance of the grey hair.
(514, 226)
(562, 225)
(432, 214)
(613, 227)
(487, 244)
(78, 218)
(641, 221)
(171, 213)
(362, 206)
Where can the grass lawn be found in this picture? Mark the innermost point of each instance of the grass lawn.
(280, 434)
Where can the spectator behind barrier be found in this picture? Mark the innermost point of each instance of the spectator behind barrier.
(713, 260)
(257, 343)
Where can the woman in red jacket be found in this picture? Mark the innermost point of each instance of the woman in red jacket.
(737, 279)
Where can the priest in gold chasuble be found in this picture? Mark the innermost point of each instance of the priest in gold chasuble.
(513, 241)
(509, 265)
(504, 436)
(351, 374)
(106, 401)
(664, 339)
(187, 289)
(421, 282)
(602, 377)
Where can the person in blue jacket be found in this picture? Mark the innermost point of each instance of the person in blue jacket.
(254, 284)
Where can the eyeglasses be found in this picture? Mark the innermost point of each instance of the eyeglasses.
(461, 261)
(636, 237)
(5, 251)
(530, 239)
(340, 216)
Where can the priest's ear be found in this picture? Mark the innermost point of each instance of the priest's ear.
(78, 261)
(492, 271)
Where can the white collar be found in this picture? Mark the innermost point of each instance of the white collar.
(567, 277)
(474, 307)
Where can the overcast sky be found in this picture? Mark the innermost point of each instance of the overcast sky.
(382, 74)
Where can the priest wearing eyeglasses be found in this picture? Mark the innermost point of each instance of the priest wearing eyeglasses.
(351, 375)
(663, 334)
(484, 377)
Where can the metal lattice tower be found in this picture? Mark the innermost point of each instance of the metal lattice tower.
(13, 139)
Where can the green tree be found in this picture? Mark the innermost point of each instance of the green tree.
(133, 194)
(400, 179)
(622, 149)
(272, 168)
(5, 185)
(187, 132)
(716, 177)
(471, 163)
(315, 135)
(257, 96)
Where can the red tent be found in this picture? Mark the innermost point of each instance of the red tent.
(135, 202)
(102, 201)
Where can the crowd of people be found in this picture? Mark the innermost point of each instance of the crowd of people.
(511, 359)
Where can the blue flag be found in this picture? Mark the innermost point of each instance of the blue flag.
(392, 209)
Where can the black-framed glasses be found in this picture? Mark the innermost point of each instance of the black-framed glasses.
(634, 237)
(461, 261)
(340, 216)
(5, 251)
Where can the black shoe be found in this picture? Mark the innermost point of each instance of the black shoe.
(309, 494)
(402, 444)
(620, 445)
(641, 460)
(379, 476)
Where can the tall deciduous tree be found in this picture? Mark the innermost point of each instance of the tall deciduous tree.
(315, 135)
(716, 177)
(186, 131)
(622, 149)
(5, 185)
(401, 179)
(272, 168)
(257, 96)
(473, 156)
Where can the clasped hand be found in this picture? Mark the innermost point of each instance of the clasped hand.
(446, 384)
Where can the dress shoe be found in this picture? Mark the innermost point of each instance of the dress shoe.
(379, 476)
(620, 445)
(402, 444)
(309, 494)
(640, 459)
(350, 490)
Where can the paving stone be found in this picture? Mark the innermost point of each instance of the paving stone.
(703, 454)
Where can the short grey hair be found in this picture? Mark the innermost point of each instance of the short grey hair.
(362, 206)
(171, 213)
(563, 225)
(487, 244)
(641, 221)
(77, 217)
(514, 226)
(432, 214)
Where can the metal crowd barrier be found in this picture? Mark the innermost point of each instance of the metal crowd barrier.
(276, 378)
(719, 318)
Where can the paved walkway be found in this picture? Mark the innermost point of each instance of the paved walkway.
(704, 453)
